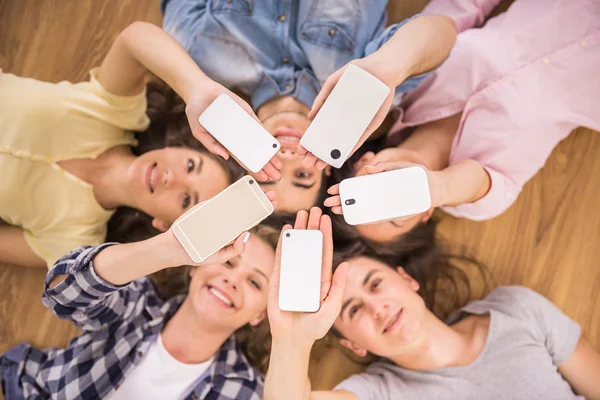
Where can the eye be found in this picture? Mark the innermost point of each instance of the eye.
(303, 174)
(375, 284)
(354, 310)
(229, 264)
(254, 283)
(190, 165)
(186, 201)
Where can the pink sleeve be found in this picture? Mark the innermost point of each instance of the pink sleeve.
(466, 14)
(503, 193)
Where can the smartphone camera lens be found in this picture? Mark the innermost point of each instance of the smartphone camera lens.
(349, 202)
(335, 154)
(251, 181)
(274, 145)
(287, 235)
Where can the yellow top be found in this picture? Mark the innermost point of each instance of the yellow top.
(41, 124)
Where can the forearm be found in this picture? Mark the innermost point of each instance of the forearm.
(287, 377)
(582, 370)
(464, 182)
(124, 263)
(144, 47)
(15, 250)
(417, 47)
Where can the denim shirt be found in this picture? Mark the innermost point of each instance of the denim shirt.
(270, 48)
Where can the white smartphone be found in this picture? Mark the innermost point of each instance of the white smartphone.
(345, 115)
(385, 196)
(245, 138)
(210, 226)
(301, 263)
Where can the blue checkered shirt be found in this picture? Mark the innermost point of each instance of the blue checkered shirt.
(119, 324)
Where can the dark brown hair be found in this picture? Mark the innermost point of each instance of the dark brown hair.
(169, 127)
(253, 341)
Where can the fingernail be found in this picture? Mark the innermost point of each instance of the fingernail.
(246, 237)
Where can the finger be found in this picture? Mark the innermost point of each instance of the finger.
(383, 166)
(337, 210)
(333, 303)
(314, 218)
(320, 165)
(335, 189)
(326, 230)
(277, 163)
(272, 172)
(301, 220)
(211, 143)
(309, 160)
(301, 149)
(261, 176)
(333, 201)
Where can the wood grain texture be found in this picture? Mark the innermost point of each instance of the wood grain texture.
(549, 240)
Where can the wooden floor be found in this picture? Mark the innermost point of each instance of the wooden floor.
(549, 240)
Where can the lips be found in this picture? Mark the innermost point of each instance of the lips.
(393, 321)
(221, 297)
(151, 176)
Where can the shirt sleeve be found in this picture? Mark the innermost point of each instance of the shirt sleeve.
(466, 14)
(552, 327)
(412, 82)
(88, 300)
(365, 386)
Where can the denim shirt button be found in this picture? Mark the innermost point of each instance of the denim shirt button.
(285, 60)
(195, 397)
(288, 86)
(332, 32)
(282, 18)
(139, 354)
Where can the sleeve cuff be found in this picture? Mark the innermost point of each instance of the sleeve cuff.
(503, 193)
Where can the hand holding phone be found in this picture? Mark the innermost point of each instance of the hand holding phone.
(390, 190)
(225, 123)
(308, 326)
(212, 225)
(350, 107)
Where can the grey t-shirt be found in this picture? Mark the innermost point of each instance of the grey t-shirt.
(528, 337)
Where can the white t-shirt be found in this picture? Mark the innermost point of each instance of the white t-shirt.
(159, 376)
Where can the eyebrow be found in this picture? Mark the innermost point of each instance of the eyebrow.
(347, 302)
(300, 185)
(262, 273)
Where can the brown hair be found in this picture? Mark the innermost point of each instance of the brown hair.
(253, 341)
(169, 127)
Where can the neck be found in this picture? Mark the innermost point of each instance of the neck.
(279, 105)
(442, 346)
(110, 179)
(190, 341)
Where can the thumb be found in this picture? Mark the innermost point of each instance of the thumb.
(333, 303)
(382, 166)
(233, 250)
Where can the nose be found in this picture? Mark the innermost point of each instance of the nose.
(286, 153)
(378, 309)
(231, 281)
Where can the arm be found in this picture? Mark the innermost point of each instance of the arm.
(144, 47)
(582, 370)
(294, 333)
(15, 250)
(416, 47)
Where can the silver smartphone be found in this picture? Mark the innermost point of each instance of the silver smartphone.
(345, 115)
(385, 196)
(244, 137)
(210, 226)
(300, 277)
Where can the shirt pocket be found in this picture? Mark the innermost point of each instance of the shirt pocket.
(241, 7)
(332, 24)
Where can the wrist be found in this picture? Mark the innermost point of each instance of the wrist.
(389, 70)
(169, 250)
(437, 188)
(192, 83)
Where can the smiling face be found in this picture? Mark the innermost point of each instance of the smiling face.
(231, 295)
(382, 312)
(299, 188)
(167, 182)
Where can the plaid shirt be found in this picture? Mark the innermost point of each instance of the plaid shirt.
(119, 323)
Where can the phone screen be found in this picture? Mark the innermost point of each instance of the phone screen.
(221, 219)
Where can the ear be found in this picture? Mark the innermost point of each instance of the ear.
(258, 319)
(359, 351)
(160, 225)
(413, 283)
(426, 215)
